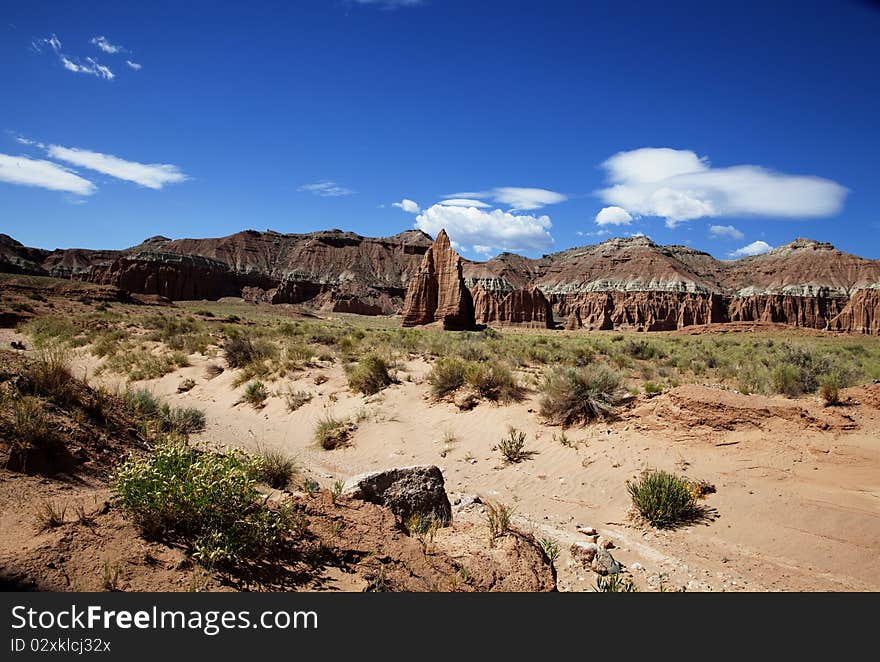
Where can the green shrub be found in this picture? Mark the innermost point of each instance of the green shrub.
(296, 399)
(30, 427)
(140, 403)
(579, 395)
(206, 501)
(829, 386)
(255, 394)
(653, 389)
(369, 375)
(50, 375)
(663, 498)
(512, 446)
(180, 420)
(643, 350)
(499, 520)
(447, 375)
(275, 467)
(240, 351)
(493, 381)
(615, 584)
(330, 433)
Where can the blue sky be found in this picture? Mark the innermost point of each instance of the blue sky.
(530, 126)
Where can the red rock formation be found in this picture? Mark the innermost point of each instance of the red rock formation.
(437, 292)
(647, 311)
(624, 282)
(526, 307)
(861, 314)
(359, 273)
(809, 312)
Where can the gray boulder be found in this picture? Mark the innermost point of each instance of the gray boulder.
(406, 491)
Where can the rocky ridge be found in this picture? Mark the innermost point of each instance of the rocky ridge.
(620, 283)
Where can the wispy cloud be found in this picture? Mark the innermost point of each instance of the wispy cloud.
(134, 65)
(326, 189)
(25, 171)
(52, 42)
(150, 175)
(727, 231)
(678, 185)
(464, 202)
(102, 43)
(90, 67)
(514, 197)
(407, 205)
(755, 248)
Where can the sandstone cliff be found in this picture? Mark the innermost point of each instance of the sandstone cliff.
(524, 307)
(437, 292)
(620, 283)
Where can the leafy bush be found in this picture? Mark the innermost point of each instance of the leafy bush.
(255, 394)
(447, 375)
(493, 381)
(30, 427)
(331, 433)
(275, 467)
(140, 403)
(369, 375)
(579, 395)
(512, 446)
(643, 350)
(204, 500)
(653, 389)
(180, 420)
(663, 498)
(830, 384)
(50, 375)
(240, 350)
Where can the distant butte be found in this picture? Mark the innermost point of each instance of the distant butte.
(620, 283)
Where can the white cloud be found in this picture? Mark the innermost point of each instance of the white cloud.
(26, 171)
(151, 175)
(407, 205)
(520, 199)
(464, 202)
(484, 231)
(754, 248)
(88, 66)
(678, 186)
(728, 231)
(613, 216)
(134, 65)
(53, 42)
(106, 46)
(326, 189)
(91, 67)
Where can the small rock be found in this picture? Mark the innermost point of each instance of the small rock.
(604, 564)
(637, 566)
(587, 530)
(407, 491)
(186, 385)
(466, 401)
(467, 501)
(15, 344)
